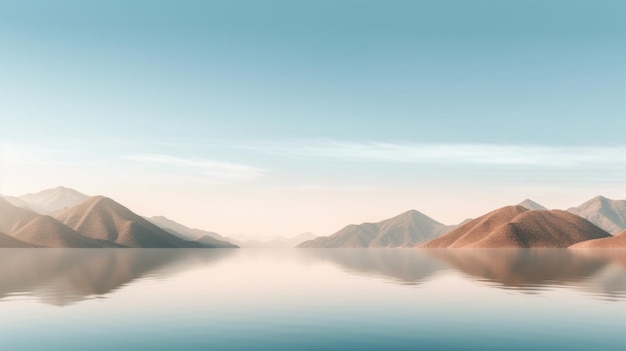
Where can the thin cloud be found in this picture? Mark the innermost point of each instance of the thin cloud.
(439, 153)
(209, 170)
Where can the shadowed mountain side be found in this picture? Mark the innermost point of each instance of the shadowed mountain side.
(615, 242)
(518, 227)
(104, 219)
(61, 277)
(405, 230)
(10, 242)
(40, 230)
(523, 269)
(400, 265)
(52, 201)
(607, 214)
(211, 242)
(192, 234)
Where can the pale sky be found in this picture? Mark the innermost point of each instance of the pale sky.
(279, 117)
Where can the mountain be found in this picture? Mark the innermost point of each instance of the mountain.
(17, 202)
(7, 241)
(405, 230)
(518, 227)
(39, 230)
(191, 234)
(289, 242)
(617, 241)
(104, 219)
(52, 200)
(607, 214)
(531, 205)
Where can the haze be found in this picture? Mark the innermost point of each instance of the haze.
(277, 118)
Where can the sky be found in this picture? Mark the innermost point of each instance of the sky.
(280, 117)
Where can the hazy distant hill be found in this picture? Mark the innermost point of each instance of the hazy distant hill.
(40, 230)
(617, 241)
(17, 202)
(607, 214)
(289, 242)
(405, 230)
(104, 219)
(52, 200)
(518, 227)
(531, 205)
(207, 238)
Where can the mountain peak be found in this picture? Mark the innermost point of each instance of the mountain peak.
(51, 200)
(531, 205)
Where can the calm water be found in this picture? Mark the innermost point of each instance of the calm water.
(251, 299)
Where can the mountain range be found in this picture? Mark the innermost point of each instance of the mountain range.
(405, 230)
(519, 227)
(63, 217)
(96, 222)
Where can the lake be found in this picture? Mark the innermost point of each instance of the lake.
(310, 299)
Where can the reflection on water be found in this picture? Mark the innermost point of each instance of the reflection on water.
(63, 277)
(404, 266)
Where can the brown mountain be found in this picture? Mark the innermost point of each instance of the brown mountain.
(518, 227)
(39, 230)
(104, 219)
(617, 241)
(405, 230)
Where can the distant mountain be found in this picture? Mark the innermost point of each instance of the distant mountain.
(17, 202)
(518, 227)
(207, 238)
(531, 205)
(53, 200)
(607, 214)
(104, 219)
(617, 241)
(290, 242)
(405, 230)
(39, 230)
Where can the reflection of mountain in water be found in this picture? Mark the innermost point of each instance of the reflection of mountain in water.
(406, 266)
(530, 270)
(64, 276)
(599, 272)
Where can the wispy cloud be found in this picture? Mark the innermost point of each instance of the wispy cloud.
(210, 171)
(453, 153)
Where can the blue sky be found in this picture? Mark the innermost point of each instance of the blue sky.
(314, 109)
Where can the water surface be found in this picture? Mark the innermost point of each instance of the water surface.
(322, 299)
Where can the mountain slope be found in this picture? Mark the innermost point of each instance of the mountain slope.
(607, 214)
(531, 205)
(17, 202)
(7, 241)
(617, 241)
(192, 234)
(52, 200)
(405, 230)
(518, 227)
(104, 219)
(39, 230)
